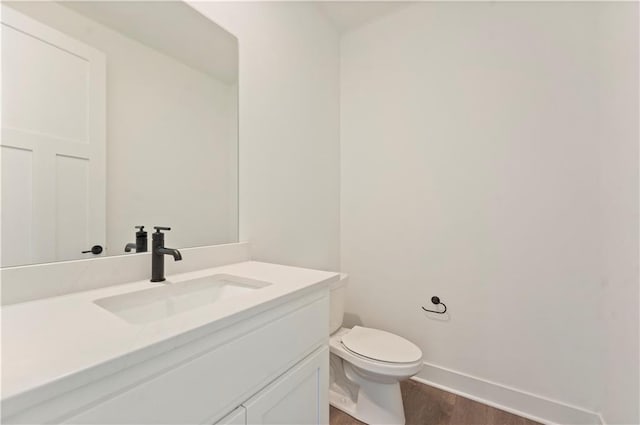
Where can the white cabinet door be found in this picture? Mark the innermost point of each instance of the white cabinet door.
(298, 397)
(53, 143)
(237, 417)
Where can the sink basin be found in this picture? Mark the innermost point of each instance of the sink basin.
(175, 297)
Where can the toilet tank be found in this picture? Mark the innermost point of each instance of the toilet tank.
(338, 293)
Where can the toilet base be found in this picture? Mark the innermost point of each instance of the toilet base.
(342, 402)
(368, 410)
(367, 401)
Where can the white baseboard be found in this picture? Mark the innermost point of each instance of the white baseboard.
(514, 401)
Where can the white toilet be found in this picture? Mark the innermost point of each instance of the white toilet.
(367, 366)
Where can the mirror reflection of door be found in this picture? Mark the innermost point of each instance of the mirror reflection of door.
(53, 144)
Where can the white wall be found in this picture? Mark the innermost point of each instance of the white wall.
(289, 130)
(171, 145)
(619, 190)
(471, 142)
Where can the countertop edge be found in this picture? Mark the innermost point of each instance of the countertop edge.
(18, 402)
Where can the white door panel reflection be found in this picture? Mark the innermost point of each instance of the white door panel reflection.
(53, 137)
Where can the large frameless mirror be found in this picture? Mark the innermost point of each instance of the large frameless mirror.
(115, 115)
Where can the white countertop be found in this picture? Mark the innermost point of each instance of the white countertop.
(51, 341)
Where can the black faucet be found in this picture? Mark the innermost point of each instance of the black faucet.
(141, 241)
(158, 251)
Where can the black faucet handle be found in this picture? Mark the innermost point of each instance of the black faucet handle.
(159, 228)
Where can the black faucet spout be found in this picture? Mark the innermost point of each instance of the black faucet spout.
(170, 251)
(128, 247)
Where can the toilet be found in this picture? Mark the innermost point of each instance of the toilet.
(367, 366)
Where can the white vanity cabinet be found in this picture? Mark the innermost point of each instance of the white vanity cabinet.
(297, 397)
(268, 367)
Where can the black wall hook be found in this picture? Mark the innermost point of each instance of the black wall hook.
(436, 301)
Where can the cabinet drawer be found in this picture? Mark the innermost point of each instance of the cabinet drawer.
(299, 397)
(214, 382)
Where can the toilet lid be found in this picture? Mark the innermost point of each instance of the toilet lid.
(380, 345)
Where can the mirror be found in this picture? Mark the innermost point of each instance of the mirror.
(115, 115)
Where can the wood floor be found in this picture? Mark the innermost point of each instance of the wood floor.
(425, 405)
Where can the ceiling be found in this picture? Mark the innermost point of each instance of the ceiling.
(171, 27)
(348, 15)
(210, 48)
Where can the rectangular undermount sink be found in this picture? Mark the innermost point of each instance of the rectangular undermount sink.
(175, 297)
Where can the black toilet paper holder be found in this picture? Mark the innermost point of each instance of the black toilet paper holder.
(436, 300)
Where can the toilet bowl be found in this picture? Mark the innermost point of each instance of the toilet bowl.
(367, 366)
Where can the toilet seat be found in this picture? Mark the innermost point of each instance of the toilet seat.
(380, 345)
(389, 369)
